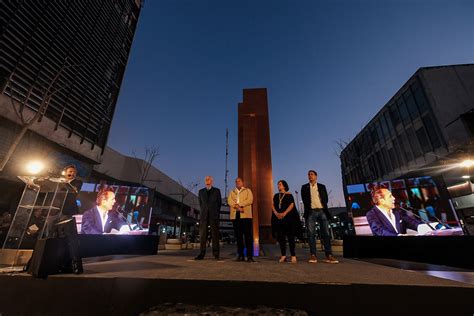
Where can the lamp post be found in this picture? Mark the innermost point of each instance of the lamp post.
(174, 229)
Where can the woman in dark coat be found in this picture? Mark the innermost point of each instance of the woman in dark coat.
(286, 223)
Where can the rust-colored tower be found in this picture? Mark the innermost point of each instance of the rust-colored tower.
(255, 159)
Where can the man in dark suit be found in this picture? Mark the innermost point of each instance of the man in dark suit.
(210, 201)
(100, 219)
(315, 200)
(386, 220)
(74, 187)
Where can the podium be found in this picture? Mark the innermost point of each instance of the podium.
(456, 231)
(39, 208)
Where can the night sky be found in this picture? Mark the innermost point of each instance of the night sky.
(328, 67)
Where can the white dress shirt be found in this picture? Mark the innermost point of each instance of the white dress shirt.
(315, 199)
(391, 219)
(103, 219)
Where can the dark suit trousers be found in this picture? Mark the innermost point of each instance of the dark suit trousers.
(243, 235)
(214, 223)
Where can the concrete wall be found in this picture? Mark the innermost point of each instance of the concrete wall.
(46, 128)
(127, 169)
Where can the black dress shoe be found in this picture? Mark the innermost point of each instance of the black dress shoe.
(250, 259)
(240, 258)
(199, 257)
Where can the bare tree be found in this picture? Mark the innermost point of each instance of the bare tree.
(144, 165)
(46, 93)
(340, 145)
(184, 191)
(331, 204)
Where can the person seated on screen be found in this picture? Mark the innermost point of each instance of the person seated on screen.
(386, 220)
(101, 219)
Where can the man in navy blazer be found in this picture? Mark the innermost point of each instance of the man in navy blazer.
(315, 200)
(99, 219)
(385, 220)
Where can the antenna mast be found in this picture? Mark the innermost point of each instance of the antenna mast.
(226, 161)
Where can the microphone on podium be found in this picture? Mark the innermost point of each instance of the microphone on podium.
(439, 221)
(419, 217)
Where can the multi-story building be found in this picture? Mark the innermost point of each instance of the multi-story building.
(66, 60)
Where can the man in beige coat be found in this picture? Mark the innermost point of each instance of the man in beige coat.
(240, 201)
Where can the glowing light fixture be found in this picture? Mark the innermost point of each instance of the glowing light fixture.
(34, 167)
(467, 163)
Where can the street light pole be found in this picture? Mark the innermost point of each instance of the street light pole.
(174, 229)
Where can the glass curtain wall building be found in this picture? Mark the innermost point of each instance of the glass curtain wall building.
(78, 49)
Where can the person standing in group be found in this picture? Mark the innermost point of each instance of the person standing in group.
(210, 201)
(240, 201)
(315, 201)
(286, 222)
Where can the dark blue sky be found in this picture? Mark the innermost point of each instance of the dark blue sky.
(328, 67)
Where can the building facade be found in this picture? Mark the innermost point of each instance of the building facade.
(65, 60)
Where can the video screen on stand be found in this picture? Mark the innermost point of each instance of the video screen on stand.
(412, 206)
(122, 210)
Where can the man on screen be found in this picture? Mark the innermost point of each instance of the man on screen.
(384, 219)
(101, 219)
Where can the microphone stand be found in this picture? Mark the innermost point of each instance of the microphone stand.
(418, 216)
(74, 189)
(124, 218)
(439, 221)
